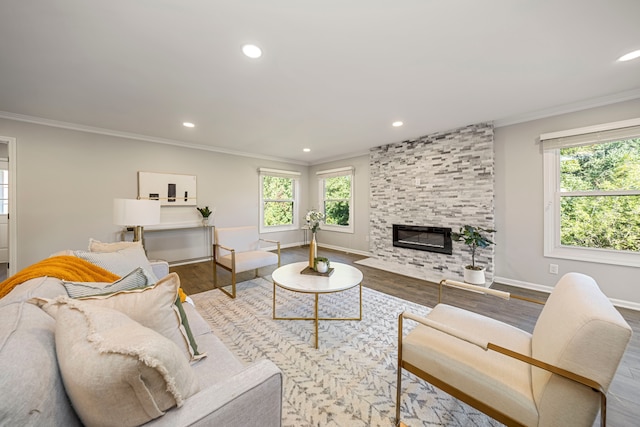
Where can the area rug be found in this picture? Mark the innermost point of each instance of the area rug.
(350, 380)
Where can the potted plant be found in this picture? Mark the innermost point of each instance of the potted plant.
(322, 264)
(474, 238)
(205, 212)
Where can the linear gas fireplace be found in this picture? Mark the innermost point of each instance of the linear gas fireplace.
(430, 239)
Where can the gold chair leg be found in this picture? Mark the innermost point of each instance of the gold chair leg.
(233, 280)
(399, 381)
(232, 294)
(215, 275)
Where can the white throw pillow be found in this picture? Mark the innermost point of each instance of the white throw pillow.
(135, 279)
(116, 371)
(98, 246)
(153, 307)
(120, 262)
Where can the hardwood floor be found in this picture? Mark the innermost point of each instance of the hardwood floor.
(622, 408)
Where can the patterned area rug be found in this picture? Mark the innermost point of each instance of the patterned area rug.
(350, 380)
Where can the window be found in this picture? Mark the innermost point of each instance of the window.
(592, 193)
(4, 190)
(336, 199)
(278, 200)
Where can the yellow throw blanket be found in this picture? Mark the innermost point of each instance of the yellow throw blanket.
(63, 267)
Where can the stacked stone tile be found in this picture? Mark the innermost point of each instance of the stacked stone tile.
(443, 180)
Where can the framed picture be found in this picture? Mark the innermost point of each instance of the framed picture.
(171, 189)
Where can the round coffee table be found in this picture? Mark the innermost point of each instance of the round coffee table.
(343, 277)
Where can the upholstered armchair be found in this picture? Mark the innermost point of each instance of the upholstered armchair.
(557, 376)
(237, 249)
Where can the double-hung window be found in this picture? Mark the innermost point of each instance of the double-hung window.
(279, 200)
(336, 198)
(592, 193)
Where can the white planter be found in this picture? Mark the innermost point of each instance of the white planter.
(322, 267)
(474, 277)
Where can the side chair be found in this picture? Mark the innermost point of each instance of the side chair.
(237, 249)
(557, 376)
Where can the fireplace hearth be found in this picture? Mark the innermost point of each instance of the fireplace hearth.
(423, 238)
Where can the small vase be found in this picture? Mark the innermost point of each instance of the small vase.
(313, 251)
(205, 221)
(322, 267)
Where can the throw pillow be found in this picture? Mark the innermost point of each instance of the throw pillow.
(98, 246)
(116, 371)
(187, 328)
(31, 386)
(153, 307)
(135, 279)
(120, 262)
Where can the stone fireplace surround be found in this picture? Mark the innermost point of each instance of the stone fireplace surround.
(444, 179)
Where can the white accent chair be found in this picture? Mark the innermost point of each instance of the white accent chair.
(237, 249)
(557, 376)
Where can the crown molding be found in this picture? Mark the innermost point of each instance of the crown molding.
(568, 108)
(129, 135)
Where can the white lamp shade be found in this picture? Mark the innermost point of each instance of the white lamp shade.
(132, 212)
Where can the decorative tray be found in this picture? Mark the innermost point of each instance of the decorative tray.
(312, 272)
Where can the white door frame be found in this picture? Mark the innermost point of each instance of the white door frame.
(13, 218)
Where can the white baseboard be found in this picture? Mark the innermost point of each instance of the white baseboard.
(345, 250)
(188, 261)
(523, 285)
(547, 289)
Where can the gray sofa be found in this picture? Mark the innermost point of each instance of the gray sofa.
(33, 392)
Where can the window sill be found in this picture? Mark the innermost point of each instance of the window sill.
(338, 229)
(278, 228)
(601, 256)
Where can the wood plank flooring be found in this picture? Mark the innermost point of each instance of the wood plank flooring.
(624, 394)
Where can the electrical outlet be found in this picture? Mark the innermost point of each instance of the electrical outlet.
(553, 268)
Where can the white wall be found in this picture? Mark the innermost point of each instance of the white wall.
(67, 181)
(519, 206)
(358, 241)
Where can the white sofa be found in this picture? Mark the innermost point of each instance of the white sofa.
(33, 390)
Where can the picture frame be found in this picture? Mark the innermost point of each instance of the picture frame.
(170, 188)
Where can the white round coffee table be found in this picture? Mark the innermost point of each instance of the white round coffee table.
(289, 277)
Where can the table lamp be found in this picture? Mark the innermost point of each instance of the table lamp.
(136, 213)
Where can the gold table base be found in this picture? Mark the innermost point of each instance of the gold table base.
(315, 318)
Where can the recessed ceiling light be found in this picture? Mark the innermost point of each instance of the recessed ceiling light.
(397, 124)
(629, 56)
(306, 150)
(252, 51)
(188, 125)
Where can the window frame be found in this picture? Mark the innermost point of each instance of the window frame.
(552, 143)
(332, 173)
(295, 177)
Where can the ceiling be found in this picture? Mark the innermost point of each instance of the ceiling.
(333, 76)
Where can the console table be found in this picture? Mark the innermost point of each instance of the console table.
(179, 226)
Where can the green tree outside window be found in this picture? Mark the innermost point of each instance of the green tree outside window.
(337, 197)
(599, 200)
(278, 199)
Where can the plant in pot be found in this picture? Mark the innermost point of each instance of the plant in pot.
(322, 264)
(206, 213)
(474, 237)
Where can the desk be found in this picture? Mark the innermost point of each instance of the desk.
(179, 226)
